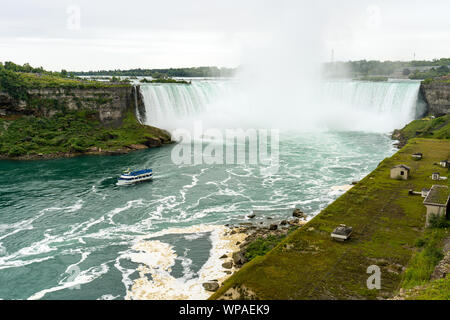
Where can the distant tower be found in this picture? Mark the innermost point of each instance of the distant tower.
(332, 55)
(414, 59)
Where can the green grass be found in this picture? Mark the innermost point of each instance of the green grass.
(434, 290)
(72, 131)
(437, 128)
(32, 80)
(261, 246)
(386, 223)
(424, 261)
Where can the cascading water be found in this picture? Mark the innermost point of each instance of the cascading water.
(343, 105)
(169, 102)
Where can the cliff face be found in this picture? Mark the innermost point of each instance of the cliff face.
(111, 103)
(437, 96)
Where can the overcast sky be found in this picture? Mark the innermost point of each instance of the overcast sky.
(100, 34)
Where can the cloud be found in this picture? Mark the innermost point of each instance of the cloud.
(143, 33)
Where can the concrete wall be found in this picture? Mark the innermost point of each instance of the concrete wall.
(396, 173)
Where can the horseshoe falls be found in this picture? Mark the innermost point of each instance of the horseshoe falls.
(67, 231)
(341, 105)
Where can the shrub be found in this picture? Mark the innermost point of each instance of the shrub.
(16, 150)
(439, 222)
(420, 243)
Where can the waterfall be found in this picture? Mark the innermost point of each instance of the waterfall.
(169, 102)
(341, 105)
(399, 98)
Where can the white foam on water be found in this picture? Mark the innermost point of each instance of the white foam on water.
(108, 297)
(130, 204)
(156, 282)
(83, 277)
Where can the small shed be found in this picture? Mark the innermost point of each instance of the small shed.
(400, 172)
(342, 232)
(444, 163)
(417, 156)
(436, 202)
(435, 176)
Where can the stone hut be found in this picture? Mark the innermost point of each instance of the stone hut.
(435, 176)
(436, 202)
(400, 172)
(417, 156)
(444, 163)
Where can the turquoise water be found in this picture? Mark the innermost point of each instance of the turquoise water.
(67, 229)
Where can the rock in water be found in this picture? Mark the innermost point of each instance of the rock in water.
(227, 265)
(298, 213)
(273, 227)
(211, 286)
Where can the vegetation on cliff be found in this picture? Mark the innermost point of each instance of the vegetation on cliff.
(67, 132)
(16, 80)
(386, 220)
(73, 132)
(429, 127)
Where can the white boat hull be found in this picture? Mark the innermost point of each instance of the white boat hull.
(123, 182)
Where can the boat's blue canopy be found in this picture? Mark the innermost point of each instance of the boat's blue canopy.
(139, 172)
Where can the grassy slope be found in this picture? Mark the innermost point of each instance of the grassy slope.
(386, 223)
(434, 290)
(32, 80)
(70, 132)
(438, 128)
(67, 131)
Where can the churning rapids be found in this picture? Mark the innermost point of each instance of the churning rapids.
(68, 232)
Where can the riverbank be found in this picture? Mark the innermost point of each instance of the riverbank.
(74, 133)
(428, 127)
(386, 223)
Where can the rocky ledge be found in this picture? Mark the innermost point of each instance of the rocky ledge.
(259, 229)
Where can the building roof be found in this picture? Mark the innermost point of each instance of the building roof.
(438, 195)
(343, 230)
(402, 166)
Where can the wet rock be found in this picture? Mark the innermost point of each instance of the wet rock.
(238, 258)
(211, 286)
(223, 256)
(298, 213)
(283, 223)
(251, 216)
(228, 265)
(273, 227)
(246, 224)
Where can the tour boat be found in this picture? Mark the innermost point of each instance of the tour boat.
(130, 177)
